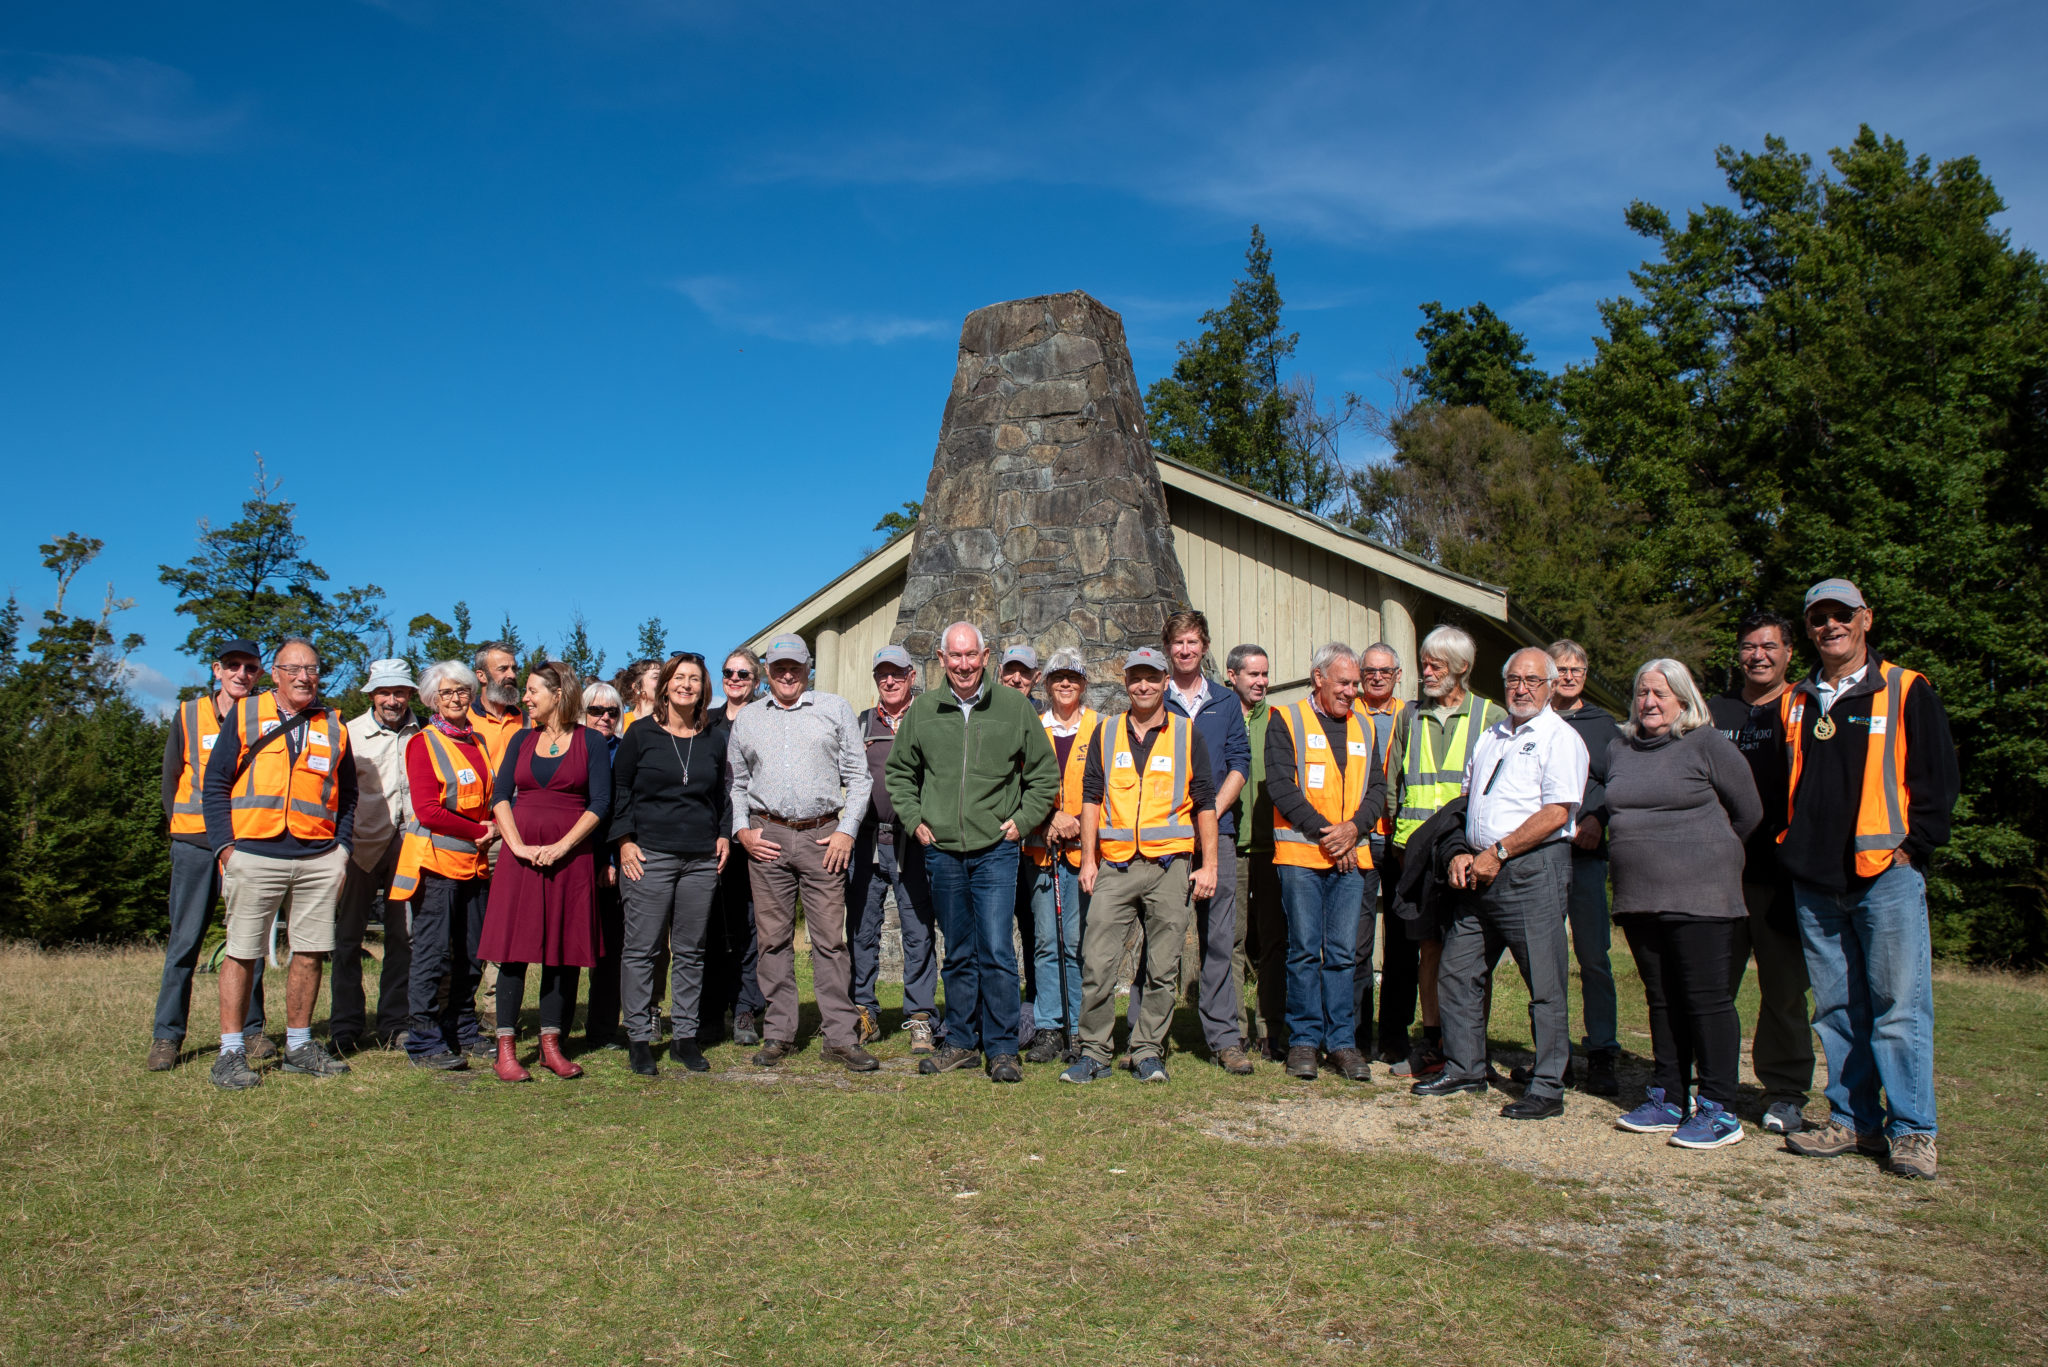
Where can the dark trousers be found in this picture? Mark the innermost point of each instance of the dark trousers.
(558, 983)
(733, 952)
(1026, 947)
(1684, 967)
(667, 907)
(1266, 944)
(1521, 911)
(1363, 1029)
(976, 897)
(1782, 1052)
(363, 902)
(195, 887)
(601, 1015)
(880, 868)
(447, 924)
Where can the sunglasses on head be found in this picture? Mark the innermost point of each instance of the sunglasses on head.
(689, 655)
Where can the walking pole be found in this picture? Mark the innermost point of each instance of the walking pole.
(1068, 1024)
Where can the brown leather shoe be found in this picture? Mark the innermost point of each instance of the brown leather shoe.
(258, 1046)
(1235, 1061)
(552, 1058)
(1301, 1062)
(855, 1058)
(772, 1052)
(1352, 1064)
(163, 1055)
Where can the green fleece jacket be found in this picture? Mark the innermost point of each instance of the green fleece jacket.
(964, 774)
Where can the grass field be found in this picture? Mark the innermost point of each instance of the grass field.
(812, 1217)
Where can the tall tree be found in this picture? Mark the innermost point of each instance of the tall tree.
(1472, 358)
(1224, 407)
(429, 639)
(897, 523)
(653, 640)
(577, 651)
(252, 579)
(1848, 375)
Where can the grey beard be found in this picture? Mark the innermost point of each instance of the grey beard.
(503, 695)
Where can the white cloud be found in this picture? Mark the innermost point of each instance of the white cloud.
(83, 103)
(152, 688)
(723, 301)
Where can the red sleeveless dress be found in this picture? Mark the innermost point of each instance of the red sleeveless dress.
(546, 916)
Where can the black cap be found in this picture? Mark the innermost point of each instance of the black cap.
(238, 646)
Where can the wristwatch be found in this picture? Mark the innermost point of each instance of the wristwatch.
(1500, 850)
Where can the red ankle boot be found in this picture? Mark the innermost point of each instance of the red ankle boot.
(507, 1067)
(551, 1056)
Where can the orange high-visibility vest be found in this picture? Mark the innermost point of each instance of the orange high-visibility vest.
(1146, 814)
(200, 725)
(1881, 815)
(1385, 825)
(1335, 803)
(1070, 782)
(495, 734)
(465, 791)
(280, 793)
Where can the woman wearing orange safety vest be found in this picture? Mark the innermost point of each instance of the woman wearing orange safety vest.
(1873, 783)
(1071, 725)
(1328, 786)
(444, 871)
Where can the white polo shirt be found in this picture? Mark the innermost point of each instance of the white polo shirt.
(1517, 767)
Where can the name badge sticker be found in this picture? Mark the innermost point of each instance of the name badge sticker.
(1316, 742)
(1161, 764)
(465, 775)
(318, 738)
(1356, 747)
(1878, 724)
(1123, 760)
(206, 742)
(318, 763)
(1315, 775)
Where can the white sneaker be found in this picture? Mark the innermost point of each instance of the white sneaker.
(1784, 1118)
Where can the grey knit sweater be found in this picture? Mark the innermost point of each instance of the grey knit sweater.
(1679, 811)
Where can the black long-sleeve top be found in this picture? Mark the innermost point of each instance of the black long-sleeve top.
(1201, 782)
(218, 800)
(1286, 793)
(652, 803)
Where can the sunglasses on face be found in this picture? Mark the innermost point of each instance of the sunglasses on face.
(738, 673)
(1820, 616)
(611, 712)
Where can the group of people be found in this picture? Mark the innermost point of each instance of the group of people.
(620, 827)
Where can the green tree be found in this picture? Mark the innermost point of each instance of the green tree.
(430, 640)
(1472, 358)
(577, 652)
(252, 579)
(1224, 407)
(896, 524)
(1847, 374)
(653, 640)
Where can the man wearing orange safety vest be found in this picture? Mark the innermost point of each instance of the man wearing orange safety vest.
(495, 714)
(1329, 788)
(1148, 806)
(195, 879)
(1873, 782)
(280, 802)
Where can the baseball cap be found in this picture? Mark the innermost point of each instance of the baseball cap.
(1020, 655)
(894, 655)
(389, 674)
(1146, 657)
(786, 648)
(1067, 660)
(1835, 591)
(239, 646)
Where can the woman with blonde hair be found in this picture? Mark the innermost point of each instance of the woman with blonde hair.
(1680, 801)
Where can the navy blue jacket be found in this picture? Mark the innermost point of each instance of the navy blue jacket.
(1221, 727)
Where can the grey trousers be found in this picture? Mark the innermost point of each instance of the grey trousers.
(362, 899)
(1215, 992)
(1782, 1051)
(1144, 894)
(671, 901)
(1523, 912)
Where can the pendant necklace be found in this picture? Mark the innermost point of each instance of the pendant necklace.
(554, 747)
(681, 758)
(1824, 729)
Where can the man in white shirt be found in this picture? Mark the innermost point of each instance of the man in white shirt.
(377, 739)
(1523, 784)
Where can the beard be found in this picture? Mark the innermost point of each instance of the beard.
(501, 694)
(1436, 689)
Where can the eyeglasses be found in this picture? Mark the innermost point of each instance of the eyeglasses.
(451, 694)
(611, 712)
(1379, 673)
(1571, 671)
(1526, 681)
(1836, 613)
(738, 673)
(297, 671)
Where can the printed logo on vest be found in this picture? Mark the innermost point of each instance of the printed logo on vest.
(206, 742)
(270, 724)
(1356, 747)
(1161, 764)
(319, 764)
(1317, 741)
(465, 775)
(1878, 725)
(1123, 760)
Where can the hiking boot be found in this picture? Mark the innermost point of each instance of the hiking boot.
(687, 1053)
(1784, 1117)
(745, 1030)
(853, 1057)
(1085, 1070)
(948, 1060)
(481, 1047)
(1152, 1069)
(1301, 1062)
(1351, 1063)
(163, 1054)
(920, 1028)
(867, 1024)
(1654, 1116)
(1425, 1063)
(1046, 1046)
(314, 1061)
(258, 1046)
(771, 1052)
(1601, 1078)
(1005, 1068)
(1235, 1062)
(1834, 1139)
(1709, 1127)
(1913, 1157)
(232, 1071)
(441, 1060)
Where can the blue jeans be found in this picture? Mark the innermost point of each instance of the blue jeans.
(975, 894)
(1871, 963)
(880, 868)
(1592, 941)
(1045, 1011)
(195, 886)
(1322, 908)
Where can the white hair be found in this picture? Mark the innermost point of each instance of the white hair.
(1328, 654)
(1692, 707)
(445, 671)
(980, 642)
(1549, 664)
(600, 692)
(1380, 648)
(1454, 649)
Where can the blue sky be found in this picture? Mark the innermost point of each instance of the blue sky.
(650, 308)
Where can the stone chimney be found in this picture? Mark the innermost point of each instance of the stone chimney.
(1044, 522)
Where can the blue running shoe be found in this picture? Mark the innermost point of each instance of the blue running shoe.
(1655, 1116)
(1709, 1128)
(1152, 1069)
(1085, 1070)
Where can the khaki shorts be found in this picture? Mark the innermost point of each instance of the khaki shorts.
(258, 888)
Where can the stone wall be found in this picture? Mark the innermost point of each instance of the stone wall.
(1044, 521)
